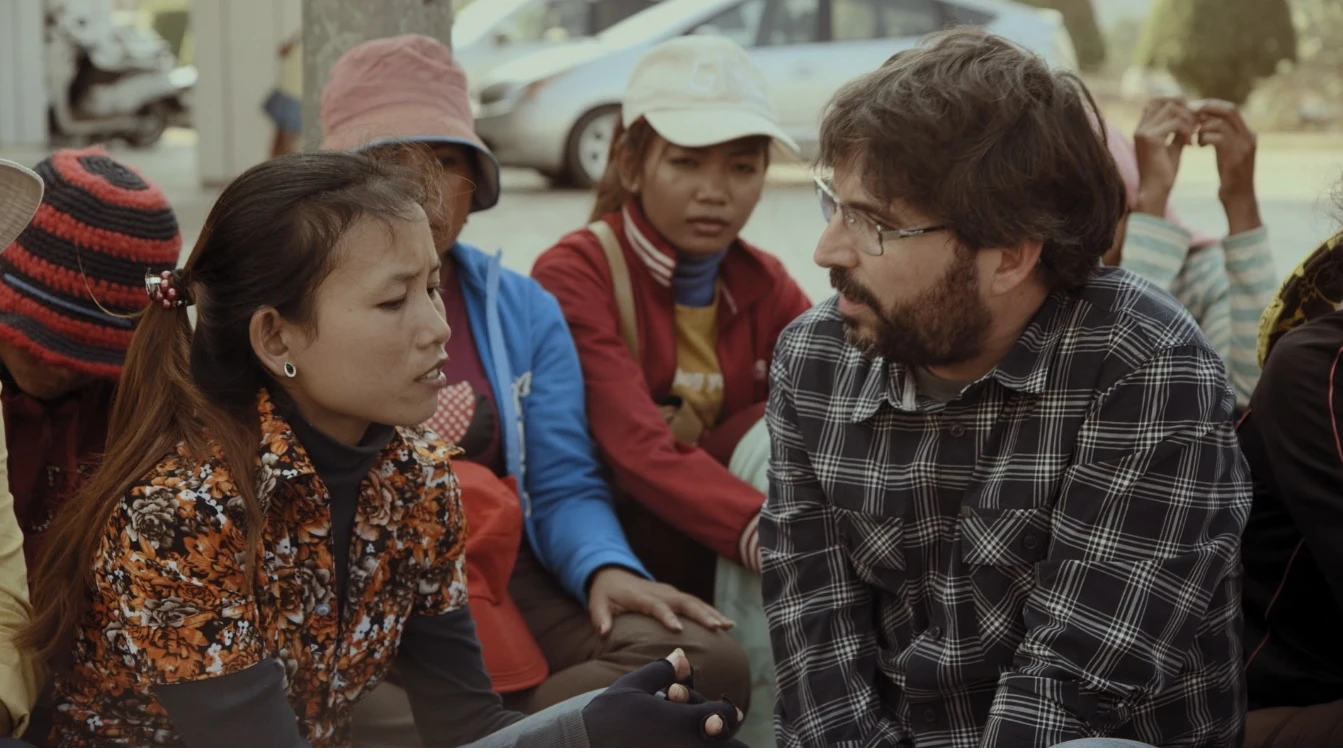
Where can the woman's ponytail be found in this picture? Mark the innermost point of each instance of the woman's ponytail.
(154, 392)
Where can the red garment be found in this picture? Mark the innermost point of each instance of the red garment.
(513, 659)
(53, 448)
(467, 415)
(684, 485)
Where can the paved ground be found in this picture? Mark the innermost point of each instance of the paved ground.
(1295, 178)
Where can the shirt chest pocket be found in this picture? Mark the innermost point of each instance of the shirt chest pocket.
(1003, 538)
(999, 551)
(875, 546)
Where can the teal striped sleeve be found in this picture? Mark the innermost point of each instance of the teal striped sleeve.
(1254, 280)
(1155, 249)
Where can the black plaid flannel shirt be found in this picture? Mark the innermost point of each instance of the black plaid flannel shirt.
(1052, 555)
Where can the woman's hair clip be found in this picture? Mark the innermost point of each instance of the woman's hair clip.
(168, 288)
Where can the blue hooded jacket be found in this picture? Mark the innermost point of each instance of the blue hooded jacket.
(532, 365)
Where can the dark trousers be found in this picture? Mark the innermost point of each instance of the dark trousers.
(670, 555)
(579, 660)
(1312, 726)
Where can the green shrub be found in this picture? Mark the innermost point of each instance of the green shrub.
(1080, 18)
(1218, 48)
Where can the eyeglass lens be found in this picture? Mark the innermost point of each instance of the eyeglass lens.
(827, 204)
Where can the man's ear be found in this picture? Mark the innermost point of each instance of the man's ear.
(270, 335)
(1015, 266)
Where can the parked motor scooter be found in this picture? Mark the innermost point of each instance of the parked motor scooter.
(109, 81)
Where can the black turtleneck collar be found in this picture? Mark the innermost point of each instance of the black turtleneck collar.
(330, 456)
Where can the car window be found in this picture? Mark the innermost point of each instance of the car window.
(768, 22)
(569, 15)
(791, 22)
(858, 20)
(473, 22)
(553, 19)
(959, 15)
(611, 12)
(740, 23)
(652, 25)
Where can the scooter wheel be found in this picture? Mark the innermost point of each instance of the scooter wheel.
(154, 121)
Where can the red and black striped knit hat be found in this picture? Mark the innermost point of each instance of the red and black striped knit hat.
(101, 225)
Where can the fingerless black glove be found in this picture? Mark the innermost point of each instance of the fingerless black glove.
(630, 713)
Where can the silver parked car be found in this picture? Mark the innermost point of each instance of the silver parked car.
(554, 110)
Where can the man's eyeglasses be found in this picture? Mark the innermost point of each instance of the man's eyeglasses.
(870, 234)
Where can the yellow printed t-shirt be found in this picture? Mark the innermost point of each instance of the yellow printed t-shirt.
(699, 377)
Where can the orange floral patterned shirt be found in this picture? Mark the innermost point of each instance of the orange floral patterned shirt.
(171, 602)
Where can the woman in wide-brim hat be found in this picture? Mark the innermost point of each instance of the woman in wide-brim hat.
(562, 603)
(20, 195)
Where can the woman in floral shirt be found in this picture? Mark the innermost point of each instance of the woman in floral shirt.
(255, 607)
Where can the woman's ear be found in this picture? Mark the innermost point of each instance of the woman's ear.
(629, 177)
(630, 174)
(270, 336)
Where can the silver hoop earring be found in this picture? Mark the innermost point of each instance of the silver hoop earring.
(290, 371)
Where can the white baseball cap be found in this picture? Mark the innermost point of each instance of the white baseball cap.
(700, 90)
(20, 195)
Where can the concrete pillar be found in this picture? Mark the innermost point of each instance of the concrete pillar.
(331, 27)
(23, 93)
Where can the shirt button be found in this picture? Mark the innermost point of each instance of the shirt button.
(323, 609)
(957, 430)
(935, 634)
(1031, 542)
(929, 715)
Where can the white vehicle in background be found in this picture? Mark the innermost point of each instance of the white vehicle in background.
(554, 110)
(487, 33)
(110, 80)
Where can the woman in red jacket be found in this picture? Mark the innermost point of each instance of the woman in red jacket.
(675, 317)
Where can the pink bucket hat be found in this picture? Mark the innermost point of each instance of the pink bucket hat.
(406, 88)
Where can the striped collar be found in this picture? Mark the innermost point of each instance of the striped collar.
(648, 244)
(742, 273)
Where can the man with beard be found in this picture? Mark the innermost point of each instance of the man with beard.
(1006, 496)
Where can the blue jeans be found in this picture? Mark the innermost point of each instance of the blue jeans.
(737, 594)
(1102, 742)
(285, 111)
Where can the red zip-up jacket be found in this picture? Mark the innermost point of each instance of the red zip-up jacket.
(684, 485)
